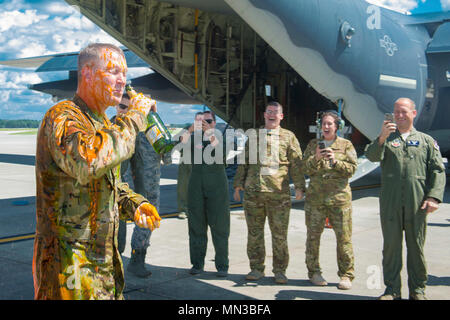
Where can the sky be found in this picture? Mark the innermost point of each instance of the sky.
(32, 28)
(35, 28)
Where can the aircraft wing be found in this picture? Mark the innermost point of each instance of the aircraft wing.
(441, 39)
(33, 62)
(65, 62)
(428, 18)
(154, 84)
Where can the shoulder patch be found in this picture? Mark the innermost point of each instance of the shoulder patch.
(396, 143)
(436, 146)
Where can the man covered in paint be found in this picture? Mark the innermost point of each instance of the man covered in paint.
(412, 186)
(79, 193)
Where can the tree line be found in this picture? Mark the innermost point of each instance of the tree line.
(19, 123)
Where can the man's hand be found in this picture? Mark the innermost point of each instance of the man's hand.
(146, 216)
(206, 126)
(143, 104)
(153, 107)
(430, 204)
(236, 195)
(185, 135)
(387, 128)
(298, 194)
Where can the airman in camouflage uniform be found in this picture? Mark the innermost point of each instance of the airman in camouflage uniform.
(267, 194)
(329, 196)
(145, 173)
(79, 196)
(142, 172)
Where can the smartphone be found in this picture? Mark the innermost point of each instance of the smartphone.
(389, 117)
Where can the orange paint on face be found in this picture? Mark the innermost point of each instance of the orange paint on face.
(106, 82)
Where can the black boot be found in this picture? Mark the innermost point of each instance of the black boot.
(137, 264)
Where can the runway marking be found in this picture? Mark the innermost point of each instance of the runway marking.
(17, 238)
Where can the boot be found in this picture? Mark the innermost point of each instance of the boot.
(137, 264)
(318, 280)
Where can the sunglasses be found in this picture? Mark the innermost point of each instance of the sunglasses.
(123, 106)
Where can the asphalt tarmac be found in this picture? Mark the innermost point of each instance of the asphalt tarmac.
(168, 254)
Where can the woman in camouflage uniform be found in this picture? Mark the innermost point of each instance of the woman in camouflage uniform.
(329, 163)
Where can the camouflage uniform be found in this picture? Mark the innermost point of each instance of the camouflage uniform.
(78, 202)
(269, 196)
(412, 171)
(143, 172)
(329, 195)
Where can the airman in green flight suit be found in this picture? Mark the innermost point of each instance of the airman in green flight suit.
(412, 186)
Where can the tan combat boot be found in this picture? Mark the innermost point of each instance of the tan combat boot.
(318, 280)
(345, 283)
(280, 278)
(254, 275)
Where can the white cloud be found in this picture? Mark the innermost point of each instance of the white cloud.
(18, 79)
(138, 72)
(25, 78)
(445, 5)
(17, 102)
(33, 49)
(16, 18)
(401, 5)
(31, 28)
(61, 8)
(4, 96)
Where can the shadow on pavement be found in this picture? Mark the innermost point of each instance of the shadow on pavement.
(18, 159)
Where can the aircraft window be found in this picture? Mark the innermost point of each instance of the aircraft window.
(448, 75)
(268, 90)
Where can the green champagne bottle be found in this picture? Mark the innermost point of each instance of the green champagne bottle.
(157, 133)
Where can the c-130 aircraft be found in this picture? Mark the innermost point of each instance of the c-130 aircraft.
(348, 55)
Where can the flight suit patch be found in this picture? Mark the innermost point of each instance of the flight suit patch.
(396, 143)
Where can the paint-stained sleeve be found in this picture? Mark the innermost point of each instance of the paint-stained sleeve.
(83, 152)
(347, 166)
(295, 163)
(374, 152)
(128, 201)
(435, 180)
